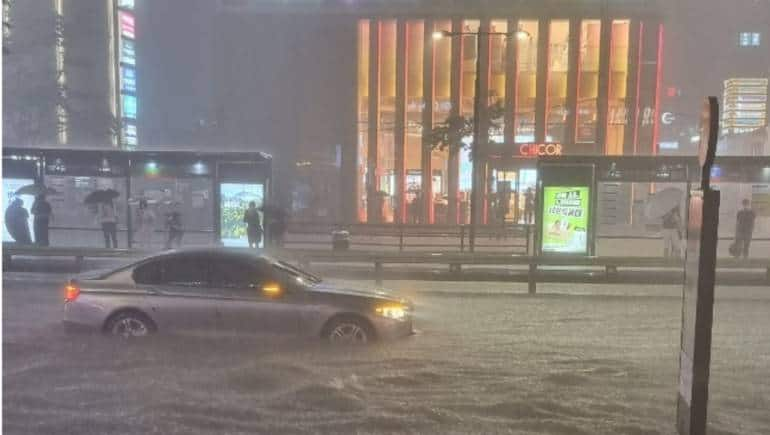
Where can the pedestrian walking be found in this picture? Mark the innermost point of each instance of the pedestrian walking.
(744, 229)
(108, 217)
(672, 222)
(16, 221)
(175, 229)
(145, 220)
(41, 209)
(253, 225)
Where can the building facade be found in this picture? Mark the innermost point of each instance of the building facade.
(368, 83)
(584, 81)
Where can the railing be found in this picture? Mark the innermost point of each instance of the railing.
(410, 237)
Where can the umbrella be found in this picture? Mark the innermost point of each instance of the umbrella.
(36, 189)
(663, 202)
(104, 195)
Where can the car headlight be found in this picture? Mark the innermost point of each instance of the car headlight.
(395, 312)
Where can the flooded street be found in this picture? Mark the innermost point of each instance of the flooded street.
(487, 359)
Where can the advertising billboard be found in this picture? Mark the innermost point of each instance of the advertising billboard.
(565, 214)
(129, 106)
(12, 230)
(235, 198)
(127, 79)
(127, 25)
(127, 52)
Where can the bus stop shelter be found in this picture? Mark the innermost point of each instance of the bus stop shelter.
(209, 190)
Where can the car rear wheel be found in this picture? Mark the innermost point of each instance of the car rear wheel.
(130, 324)
(348, 331)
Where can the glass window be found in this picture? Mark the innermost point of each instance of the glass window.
(184, 271)
(442, 107)
(617, 113)
(526, 83)
(363, 117)
(231, 273)
(749, 39)
(387, 114)
(588, 81)
(497, 64)
(148, 273)
(558, 66)
(415, 40)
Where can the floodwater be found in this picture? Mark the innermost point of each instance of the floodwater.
(487, 359)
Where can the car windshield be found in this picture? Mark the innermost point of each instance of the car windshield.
(296, 272)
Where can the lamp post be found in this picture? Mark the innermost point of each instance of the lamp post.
(519, 34)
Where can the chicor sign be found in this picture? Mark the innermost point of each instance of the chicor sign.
(540, 149)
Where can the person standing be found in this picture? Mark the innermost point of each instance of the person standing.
(175, 229)
(16, 221)
(253, 225)
(744, 229)
(529, 206)
(671, 228)
(145, 219)
(41, 209)
(108, 217)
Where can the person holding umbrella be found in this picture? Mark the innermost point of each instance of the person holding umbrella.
(43, 213)
(664, 206)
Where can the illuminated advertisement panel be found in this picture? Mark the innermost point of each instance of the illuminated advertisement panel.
(565, 219)
(127, 26)
(127, 79)
(129, 106)
(127, 52)
(129, 134)
(126, 4)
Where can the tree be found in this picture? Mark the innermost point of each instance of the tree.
(450, 133)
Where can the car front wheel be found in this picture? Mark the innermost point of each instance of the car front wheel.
(348, 331)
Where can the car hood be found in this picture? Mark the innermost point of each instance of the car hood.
(372, 294)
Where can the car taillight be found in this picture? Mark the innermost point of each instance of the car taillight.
(71, 292)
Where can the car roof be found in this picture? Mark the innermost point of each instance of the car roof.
(244, 253)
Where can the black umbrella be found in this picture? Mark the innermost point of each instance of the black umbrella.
(36, 189)
(104, 195)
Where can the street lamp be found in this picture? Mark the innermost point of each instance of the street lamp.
(520, 35)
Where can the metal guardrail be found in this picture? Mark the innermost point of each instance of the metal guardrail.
(512, 237)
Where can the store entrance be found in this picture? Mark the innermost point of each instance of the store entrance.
(513, 195)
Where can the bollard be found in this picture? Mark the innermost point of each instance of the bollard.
(462, 238)
(532, 279)
(378, 273)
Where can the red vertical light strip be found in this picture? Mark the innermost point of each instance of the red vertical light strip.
(579, 71)
(429, 188)
(658, 78)
(638, 86)
(547, 82)
(405, 93)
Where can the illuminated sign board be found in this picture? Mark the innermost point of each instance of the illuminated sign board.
(540, 149)
(125, 71)
(129, 134)
(127, 52)
(127, 79)
(565, 219)
(127, 26)
(129, 106)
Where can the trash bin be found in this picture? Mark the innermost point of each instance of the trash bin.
(340, 240)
